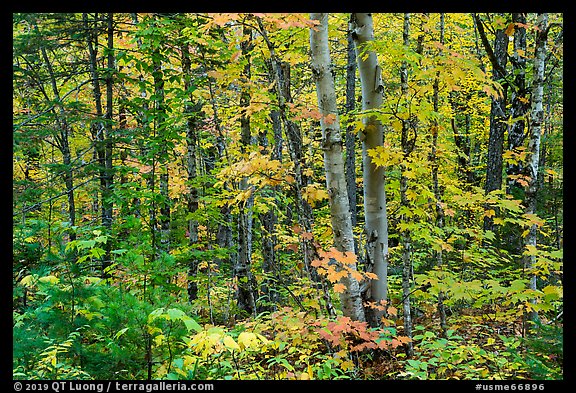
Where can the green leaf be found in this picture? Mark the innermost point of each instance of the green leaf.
(120, 333)
(175, 314)
(97, 252)
(191, 324)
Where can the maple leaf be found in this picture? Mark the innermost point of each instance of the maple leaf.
(329, 118)
(384, 344)
(348, 258)
(356, 274)
(404, 339)
(339, 288)
(334, 275)
(316, 263)
(489, 213)
(362, 346)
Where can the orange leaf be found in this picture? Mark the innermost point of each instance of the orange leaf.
(330, 118)
(339, 288)
(509, 30)
(316, 263)
(292, 247)
(349, 258)
(404, 339)
(384, 344)
(297, 229)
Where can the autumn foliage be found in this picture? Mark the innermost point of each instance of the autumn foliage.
(172, 217)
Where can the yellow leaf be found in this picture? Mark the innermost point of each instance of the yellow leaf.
(49, 279)
(159, 339)
(489, 213)
(28, 280)
(230, 343)
(247, 340)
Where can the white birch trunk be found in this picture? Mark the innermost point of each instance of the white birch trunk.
(333, 161)
(536, 120)
(376, 220)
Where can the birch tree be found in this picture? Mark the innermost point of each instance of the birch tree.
(376, 220)
(536, 122)
(333, 161)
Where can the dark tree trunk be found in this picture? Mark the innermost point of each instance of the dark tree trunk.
(498, 55)
(247, 289)
(520, 102)
(350, 136)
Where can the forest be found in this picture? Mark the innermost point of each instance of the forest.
(287, 196)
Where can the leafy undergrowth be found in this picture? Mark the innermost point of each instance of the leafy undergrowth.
(80, 338)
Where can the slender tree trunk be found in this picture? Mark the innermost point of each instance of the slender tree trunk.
(224, 238)
(247, 289)
(333, 163)
(102, 128)
(462, 138)
(269, 219)
(532, 164)
(376, 220)
(281, 72)
(161, 131)
(107, 204)
(350, 135)
(520, 102)
(62, 142)
(435, 184)
(498, 55)
(407, 141)
(193, 113)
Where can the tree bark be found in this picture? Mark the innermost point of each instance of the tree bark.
(108, 181)
(532, 163)
(520, 102)
(350, 136)
(351, 300)
(247, 289)
(407, 142)
(193, 113)
(498, 55)
(161, 132)
(435, 183)
(376, 220)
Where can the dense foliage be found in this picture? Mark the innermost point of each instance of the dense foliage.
(171, 218)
